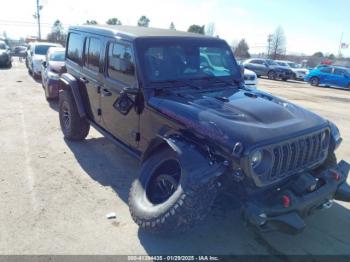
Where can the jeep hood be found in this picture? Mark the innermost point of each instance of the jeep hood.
(235, 115)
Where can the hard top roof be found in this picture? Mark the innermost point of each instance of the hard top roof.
(132, 32)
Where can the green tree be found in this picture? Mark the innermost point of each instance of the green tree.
(172, 26)
(113, 21)
(242, 49)
(143, 21)
(57, 34)
(331, 57)
(196, 29)
(318, 54)
(91, 22)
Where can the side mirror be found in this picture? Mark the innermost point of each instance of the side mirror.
(266, 65)
(44, 64)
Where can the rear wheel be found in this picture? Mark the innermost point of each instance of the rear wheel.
(160, 201)
(348, 86)
(73, 126)
(271, 75)
(285, 79)
(315, 81)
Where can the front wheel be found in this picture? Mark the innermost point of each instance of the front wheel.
(285, 79)
(73, 126)
(160, 201)
(271, 75)
(314, 81)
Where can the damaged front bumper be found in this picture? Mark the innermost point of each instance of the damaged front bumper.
(283, 208)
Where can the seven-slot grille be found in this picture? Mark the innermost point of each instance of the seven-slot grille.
(296, 154)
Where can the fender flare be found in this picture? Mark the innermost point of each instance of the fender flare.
(68, 81)
(197, 168)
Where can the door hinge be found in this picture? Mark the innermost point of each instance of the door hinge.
(99, 111)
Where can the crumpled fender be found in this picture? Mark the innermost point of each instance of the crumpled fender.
(69, 81)
(197, 168)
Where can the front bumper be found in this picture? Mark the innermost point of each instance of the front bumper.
(284, 75)
(270, 213)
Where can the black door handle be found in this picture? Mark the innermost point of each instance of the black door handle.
(106, 92)
(84, 80)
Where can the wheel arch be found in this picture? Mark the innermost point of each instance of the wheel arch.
(69, 82)
(195, 163)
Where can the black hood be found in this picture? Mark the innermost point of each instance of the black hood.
(236, 115)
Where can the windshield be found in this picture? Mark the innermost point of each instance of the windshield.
(271, 62)
(57, 56)
(182, 59)
(294, 65)
(282, 63)
(41, 49)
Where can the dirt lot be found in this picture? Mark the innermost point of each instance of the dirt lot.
(55, 194)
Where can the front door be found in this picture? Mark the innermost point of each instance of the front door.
(118, 112)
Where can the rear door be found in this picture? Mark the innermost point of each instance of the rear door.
(338, 77)
(118, 113)
(91, 75)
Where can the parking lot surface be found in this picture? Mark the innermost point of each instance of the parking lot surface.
(55, 194)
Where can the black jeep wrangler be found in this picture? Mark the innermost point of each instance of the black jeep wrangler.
(197, 129)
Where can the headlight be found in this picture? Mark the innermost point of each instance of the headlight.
(53, 75)
(260, 161)
(256, 158)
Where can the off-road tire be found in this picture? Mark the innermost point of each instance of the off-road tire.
(271, 75)
(184, 209)
(77, 128)
(314, 81)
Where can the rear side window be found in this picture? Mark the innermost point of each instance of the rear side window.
(259, 62)
(326, 70)
(75, 48)
(339, 71)
(121, 64)
(92, 53)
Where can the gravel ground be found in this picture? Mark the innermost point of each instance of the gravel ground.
(55, 194)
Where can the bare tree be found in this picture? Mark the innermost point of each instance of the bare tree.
(278, 44)
(210, 29)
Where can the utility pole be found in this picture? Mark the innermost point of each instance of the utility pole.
(37, 16)
(340, 45)
(269, 41)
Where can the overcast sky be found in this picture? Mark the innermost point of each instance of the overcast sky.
(309, 25)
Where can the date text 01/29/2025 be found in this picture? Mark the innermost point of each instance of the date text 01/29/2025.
(173, 258)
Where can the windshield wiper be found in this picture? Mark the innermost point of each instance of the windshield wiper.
(219, 80)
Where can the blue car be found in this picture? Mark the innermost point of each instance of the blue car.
(329, 76)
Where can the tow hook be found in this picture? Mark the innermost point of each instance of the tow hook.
(327, 204)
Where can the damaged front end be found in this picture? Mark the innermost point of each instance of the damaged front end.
(284, 207)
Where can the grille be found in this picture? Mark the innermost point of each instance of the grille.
(296, 154)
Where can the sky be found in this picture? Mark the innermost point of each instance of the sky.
(309, 25)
